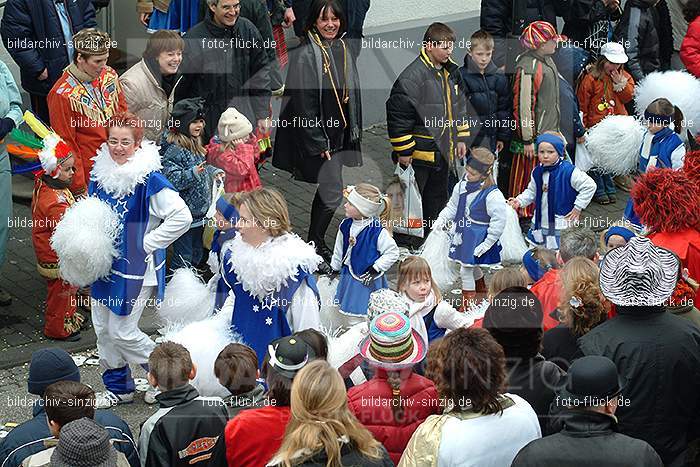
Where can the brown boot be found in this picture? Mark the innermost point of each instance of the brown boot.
(468, 299)
(481, 290)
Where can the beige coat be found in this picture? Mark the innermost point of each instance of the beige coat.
(146, 98)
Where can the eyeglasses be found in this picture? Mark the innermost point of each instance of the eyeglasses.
(125, 143)
(237, 6)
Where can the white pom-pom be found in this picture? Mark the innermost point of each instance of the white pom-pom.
(679, 87)
(435, 251)
(205, 339)
(187, 299)
(85, 240)
(614, 143)
(512, 242)
(345, 346)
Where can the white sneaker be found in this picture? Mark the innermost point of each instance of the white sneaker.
(149, 397)
(107, 399)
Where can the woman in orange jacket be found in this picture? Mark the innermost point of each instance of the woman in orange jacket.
(604, 90)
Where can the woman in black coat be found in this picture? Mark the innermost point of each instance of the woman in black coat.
(320, 124)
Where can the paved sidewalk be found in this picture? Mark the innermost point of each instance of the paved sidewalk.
(21, 323)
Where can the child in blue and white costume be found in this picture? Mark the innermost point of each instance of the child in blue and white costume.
(477, 210)
(661, 146)
(559, 190)
(364, 249)
(226, 216)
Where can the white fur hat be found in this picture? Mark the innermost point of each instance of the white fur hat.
(233, 125)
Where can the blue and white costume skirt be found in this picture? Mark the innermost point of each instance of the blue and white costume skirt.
(541, 238)
(352, 296)
(464, 243)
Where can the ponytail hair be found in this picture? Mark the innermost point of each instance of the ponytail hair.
(664, 107)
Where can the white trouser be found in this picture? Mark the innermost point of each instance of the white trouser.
(119, 339)
(469, 276)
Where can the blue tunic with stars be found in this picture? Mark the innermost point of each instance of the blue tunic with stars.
(119, 291)
(258, 321)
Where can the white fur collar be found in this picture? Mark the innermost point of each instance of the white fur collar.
(269, 267)
(421, 308)
(119, 180)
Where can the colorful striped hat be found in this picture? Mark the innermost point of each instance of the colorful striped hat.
(537, 33)
(391, 343)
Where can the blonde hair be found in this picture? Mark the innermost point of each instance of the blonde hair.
(268, 208)
(189, 143)
(375, 195)
(485, 156)
(412, 268)
(504, 278)
(319, 416)
(579, 279)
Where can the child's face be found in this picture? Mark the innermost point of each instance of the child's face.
(418, 289)
(481, 55)
(66, 170)
(654, 127)
(196, 128)
(439, 52)
(221, 222)
(352, 212)
(473, 176)
(546, 154)
(610, 67)
(615, 241)
(548, 48)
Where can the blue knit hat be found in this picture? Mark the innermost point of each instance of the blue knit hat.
(49, 366)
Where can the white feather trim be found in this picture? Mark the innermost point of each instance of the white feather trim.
(47, 156)
(614, 143)
(270, 266)
(477, 311)
(205, 339)
(679, 87)
(119, 180)
(512, 242)
(187, 299)
(85, 240)
(345, 346)
(435, 251)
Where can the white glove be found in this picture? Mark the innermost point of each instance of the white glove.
(440, 224)
(481, 249)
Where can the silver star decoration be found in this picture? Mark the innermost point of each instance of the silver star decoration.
(256, 308)
(121, 208)
(457, 239)
(268, 302)
(452, 249)
(268, 321)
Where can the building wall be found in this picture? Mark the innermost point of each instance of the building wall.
(388, 12)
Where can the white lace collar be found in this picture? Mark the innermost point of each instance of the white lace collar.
(119, 180)
(269, 266)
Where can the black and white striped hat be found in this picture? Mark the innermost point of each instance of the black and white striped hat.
(639, 274)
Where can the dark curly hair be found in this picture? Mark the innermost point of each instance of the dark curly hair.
(691, 10)
(468, 367)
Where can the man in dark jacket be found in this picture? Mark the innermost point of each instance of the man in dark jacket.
(506, 19)
(657, 353)
(38, 35)
(225, 62)
(589, 437)
(590, 23)
(426, 118)
(47, 367)
(638, 32)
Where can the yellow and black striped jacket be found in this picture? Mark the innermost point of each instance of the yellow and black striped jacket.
(426, 111)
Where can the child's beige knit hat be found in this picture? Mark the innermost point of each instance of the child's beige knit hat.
(233, 125)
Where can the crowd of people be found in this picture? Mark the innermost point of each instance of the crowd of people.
(585, 352)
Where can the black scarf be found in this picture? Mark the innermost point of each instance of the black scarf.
(167, 82)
